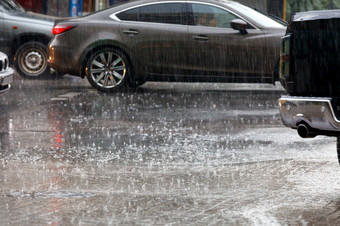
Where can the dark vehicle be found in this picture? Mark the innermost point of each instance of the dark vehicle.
(24, 38)
(310, 71)
(6, 74)
(313, 52)
(211, 41)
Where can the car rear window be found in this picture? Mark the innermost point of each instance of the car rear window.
(169, 13)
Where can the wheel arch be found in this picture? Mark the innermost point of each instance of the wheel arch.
(28, 37)
(99, 45)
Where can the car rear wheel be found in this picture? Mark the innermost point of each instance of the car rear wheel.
(108, 70)
(31, 60)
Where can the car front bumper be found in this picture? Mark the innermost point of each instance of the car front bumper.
(6, 78)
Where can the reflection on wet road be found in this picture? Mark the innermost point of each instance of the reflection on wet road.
(162, 154)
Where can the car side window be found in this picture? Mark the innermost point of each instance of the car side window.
(211, 16)
(129, 15)
(169, 13)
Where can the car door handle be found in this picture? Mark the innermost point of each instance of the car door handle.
(201, 37)
(131, 32)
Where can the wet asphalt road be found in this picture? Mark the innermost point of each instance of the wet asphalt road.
(165, 154)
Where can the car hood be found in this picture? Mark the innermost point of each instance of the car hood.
(30, 17)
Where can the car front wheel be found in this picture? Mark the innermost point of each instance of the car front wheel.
(107, 70)
(31, 60)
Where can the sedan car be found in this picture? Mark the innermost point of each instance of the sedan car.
(24, 37)
(6, 74)
(173, 40)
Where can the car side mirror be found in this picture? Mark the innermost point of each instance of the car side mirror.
(239, 25)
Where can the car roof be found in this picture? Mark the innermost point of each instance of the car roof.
(126, 5)
(137, 2)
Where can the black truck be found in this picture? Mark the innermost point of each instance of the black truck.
(310, 72)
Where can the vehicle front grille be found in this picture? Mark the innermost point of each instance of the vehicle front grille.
(3, 64)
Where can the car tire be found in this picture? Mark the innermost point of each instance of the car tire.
(277, 74)
(31, 60)
(338, 147)
(136, 84)
(108, 70)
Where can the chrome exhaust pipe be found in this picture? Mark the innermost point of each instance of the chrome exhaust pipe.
(305, 131)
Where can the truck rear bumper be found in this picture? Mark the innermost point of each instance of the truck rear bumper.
(311, 116)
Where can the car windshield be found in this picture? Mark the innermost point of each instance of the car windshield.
(258, 17)
(9, 6)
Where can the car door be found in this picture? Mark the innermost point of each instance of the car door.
(156, 36)
(218, 49)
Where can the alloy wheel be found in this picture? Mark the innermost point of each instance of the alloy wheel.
(108, 70)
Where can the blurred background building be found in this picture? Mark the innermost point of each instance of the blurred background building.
(66, 8)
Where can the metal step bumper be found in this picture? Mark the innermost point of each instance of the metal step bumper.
(311, 116)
